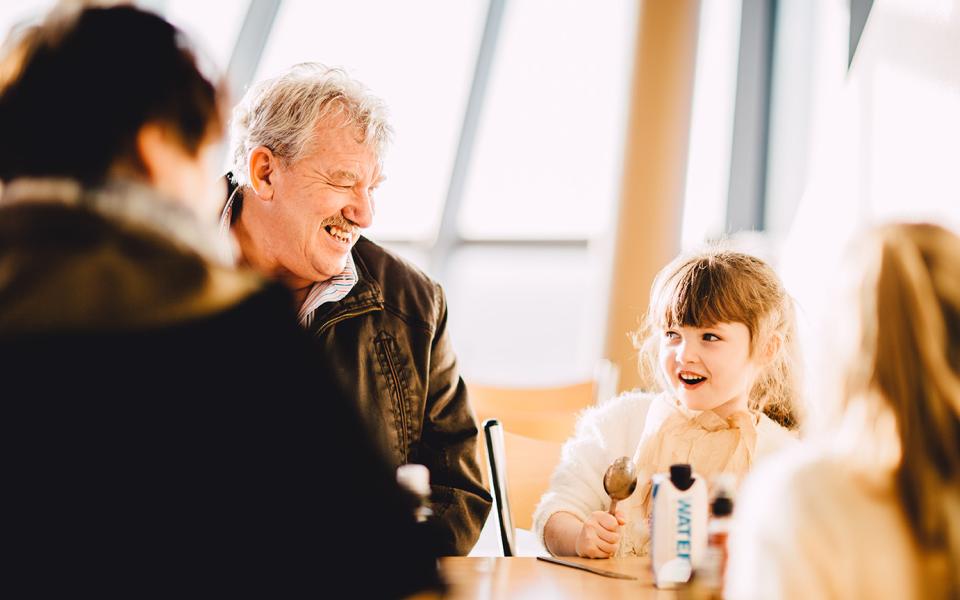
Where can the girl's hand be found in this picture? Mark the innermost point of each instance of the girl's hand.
(600, 535)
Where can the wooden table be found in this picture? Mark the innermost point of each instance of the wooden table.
(527, 578)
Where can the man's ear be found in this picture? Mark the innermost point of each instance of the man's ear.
(263, 166)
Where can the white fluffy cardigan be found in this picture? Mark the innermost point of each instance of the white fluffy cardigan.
(615, 429)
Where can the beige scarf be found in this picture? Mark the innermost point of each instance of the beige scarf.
(674, 434)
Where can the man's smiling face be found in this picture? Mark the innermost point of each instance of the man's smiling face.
(322, 201)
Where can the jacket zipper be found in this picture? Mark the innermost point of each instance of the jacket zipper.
(399, 397)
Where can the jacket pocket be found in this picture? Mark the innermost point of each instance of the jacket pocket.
(394, 376)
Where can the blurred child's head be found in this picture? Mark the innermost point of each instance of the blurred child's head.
(906, 326)
(903, 359)
(720, 335)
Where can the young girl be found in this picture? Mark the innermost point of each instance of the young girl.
(870, 506)
(720, 340)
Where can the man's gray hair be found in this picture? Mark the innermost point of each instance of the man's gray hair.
(282, 114)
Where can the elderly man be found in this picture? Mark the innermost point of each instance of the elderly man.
(307, 150)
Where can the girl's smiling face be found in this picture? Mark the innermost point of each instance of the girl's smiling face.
(709, 368)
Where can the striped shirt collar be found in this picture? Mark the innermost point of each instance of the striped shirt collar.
(331, 290)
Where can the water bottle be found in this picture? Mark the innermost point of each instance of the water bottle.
(710, 574)
(678, 525)
(416, 480)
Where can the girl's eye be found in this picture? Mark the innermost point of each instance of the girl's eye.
(671, 335)
(710, 337)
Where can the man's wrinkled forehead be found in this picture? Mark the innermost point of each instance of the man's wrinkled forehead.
(336, 151)
(342, 123)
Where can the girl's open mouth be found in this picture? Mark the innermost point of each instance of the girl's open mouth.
(690, 380)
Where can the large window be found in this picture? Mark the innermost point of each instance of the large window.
(418, 55)
(549, 147)
(711, 127)
(213, 24)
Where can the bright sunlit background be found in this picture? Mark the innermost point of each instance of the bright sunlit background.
(510, 128)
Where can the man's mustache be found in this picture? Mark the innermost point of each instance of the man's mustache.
(341, 222)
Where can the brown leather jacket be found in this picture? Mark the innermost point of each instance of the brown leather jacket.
(388, 345)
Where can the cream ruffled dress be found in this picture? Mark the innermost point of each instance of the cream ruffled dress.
(673, 434)
(657, 432)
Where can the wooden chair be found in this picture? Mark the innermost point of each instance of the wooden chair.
(528, 414)
(539, 413)
(537, 422)
(544, 413)
(520, 469)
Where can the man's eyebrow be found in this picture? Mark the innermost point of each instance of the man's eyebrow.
(344, 175)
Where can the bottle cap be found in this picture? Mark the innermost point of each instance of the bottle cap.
(415, 478)
(722, 506)
(680, 476)
(722, 503)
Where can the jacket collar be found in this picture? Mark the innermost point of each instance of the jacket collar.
(365, 296)
(128, 202)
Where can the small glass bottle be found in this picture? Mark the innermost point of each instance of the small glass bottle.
(710, 575)
(416, 480)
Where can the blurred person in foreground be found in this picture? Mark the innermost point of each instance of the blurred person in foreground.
(307, 149)
(159, 433)
(871, 508)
